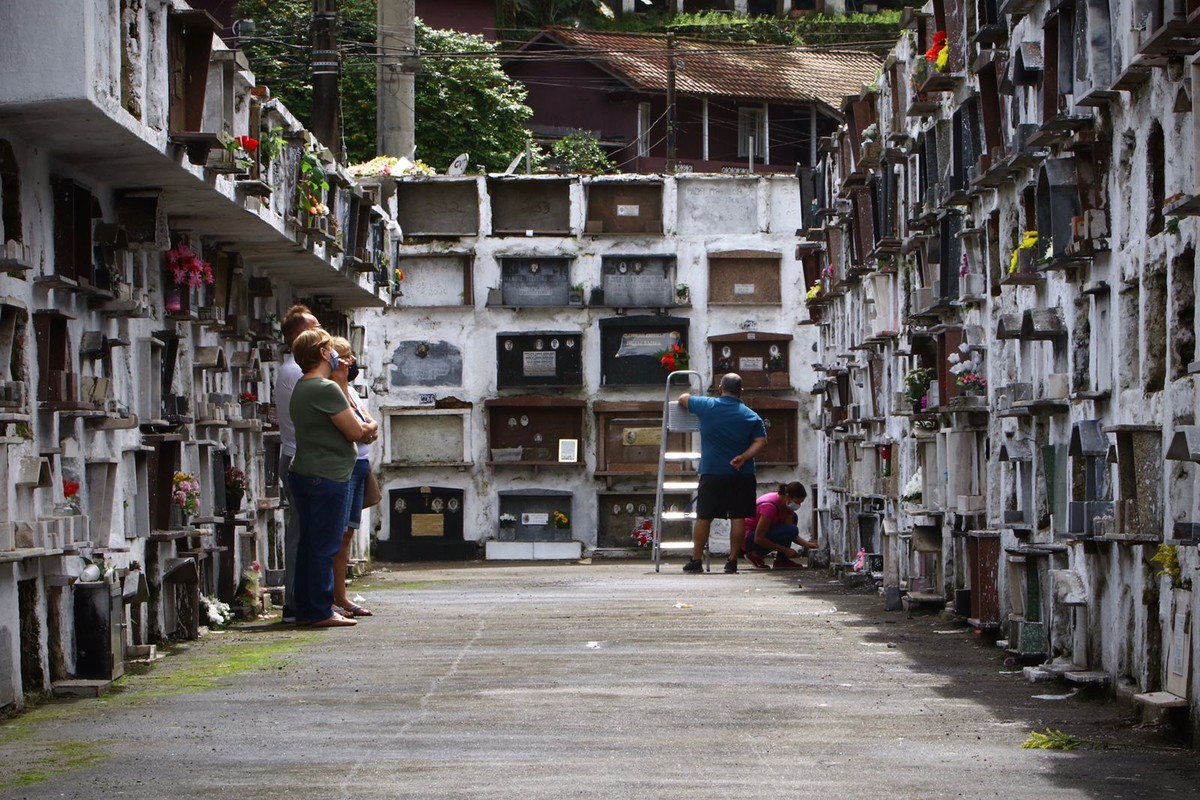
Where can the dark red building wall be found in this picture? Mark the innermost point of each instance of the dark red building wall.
(575, 95)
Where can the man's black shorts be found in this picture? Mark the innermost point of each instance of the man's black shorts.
(726, 496)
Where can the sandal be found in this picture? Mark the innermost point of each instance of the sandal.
(357, 611)
(335, 621)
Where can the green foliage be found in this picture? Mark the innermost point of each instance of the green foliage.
(462, 104)
(280, 56)
(851, 30)
(916, 382)
(535, 14)
(580, 151)
(466, 104)
(1055, 740)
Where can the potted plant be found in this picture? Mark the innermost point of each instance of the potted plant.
(185, 497)
(507, 520)
(236, 484)
(673, 358)
(916, 386)
(682, 293)
(249, 404)
(561, 521)
(575, 295)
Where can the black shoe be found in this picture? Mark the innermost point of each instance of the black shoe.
(731, 565)
(693, 565)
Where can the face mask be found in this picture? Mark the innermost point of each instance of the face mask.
(352, 373)
(333, 359)
(794, 506)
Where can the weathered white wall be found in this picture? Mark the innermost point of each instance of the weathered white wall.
(702, 214)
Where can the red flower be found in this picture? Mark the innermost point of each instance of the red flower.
(248, 143)
(939, 43)
(885, 452)
(668, 361)
(70, 489)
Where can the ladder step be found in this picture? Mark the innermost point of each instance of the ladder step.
(678, 485)
(681, 456)
(674, 545)
(670, 516)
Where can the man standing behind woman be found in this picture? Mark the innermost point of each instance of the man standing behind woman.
(730, 436)
(298, 319)
(327, 430)
(346, 372)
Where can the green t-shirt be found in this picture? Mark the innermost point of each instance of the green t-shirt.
(321, 449)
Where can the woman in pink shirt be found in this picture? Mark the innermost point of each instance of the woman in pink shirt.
(773, 527)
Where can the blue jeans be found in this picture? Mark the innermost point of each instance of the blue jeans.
(321, 507)
(779, 533)
(358, 484)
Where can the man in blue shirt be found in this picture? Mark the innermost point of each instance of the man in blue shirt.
(730, 436)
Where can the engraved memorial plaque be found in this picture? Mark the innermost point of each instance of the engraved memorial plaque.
(638, 280)
(426, 363)
(631, 347)
(539, 358)
(428, 525)
(535, 281)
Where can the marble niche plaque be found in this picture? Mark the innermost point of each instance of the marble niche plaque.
(539, 358)
(535, 281)
(630, 281)
(426, 363)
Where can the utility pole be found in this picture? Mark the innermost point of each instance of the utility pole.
(396, 95)
(670, 103)
(326, 122)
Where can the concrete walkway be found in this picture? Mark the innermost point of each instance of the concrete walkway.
(593, 681)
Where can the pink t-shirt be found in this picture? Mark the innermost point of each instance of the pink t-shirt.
(768, 507)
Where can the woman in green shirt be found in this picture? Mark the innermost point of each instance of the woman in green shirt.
(326, 432)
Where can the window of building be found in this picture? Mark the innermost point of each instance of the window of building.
(752, 132)
(643, 129)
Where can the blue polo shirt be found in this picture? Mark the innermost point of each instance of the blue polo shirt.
(727, 427)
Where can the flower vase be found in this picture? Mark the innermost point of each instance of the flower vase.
(173, 299)
(179, 518)
(233, 500)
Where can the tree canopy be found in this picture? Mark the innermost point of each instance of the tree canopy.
(464, 103)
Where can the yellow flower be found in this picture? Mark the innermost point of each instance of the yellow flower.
(814, 291)
(942, 58)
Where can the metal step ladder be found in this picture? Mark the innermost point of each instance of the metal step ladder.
(676, 420)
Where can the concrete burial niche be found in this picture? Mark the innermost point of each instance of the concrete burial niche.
(624, 207)
(782, 421)
(638, 280)
(427, 436)
(535, 533)
(628, 435)
(524, 207)
(530, 430)
(535, 281)
(630, 348)
(438, 208)
(621, 513)
(426, 363)
(744, 277)
(425, 523)
(435, 279)
(760, 358)
(539, 358)
(1058, 203)
(717, 205)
